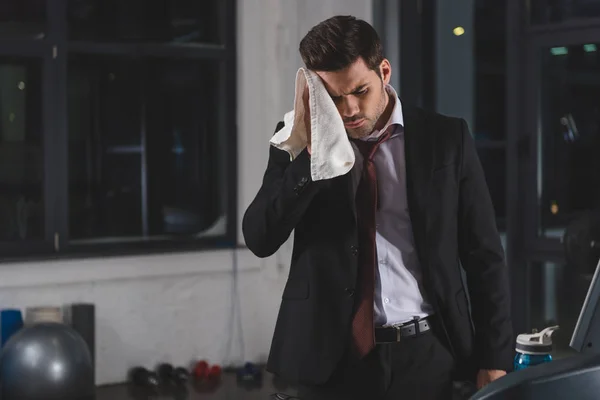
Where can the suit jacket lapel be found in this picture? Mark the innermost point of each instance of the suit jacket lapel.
(418, 153)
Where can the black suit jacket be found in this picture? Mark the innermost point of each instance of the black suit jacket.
(454, 226)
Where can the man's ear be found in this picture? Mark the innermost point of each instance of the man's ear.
(385, 71)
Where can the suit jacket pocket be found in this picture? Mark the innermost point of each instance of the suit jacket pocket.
(295, 289)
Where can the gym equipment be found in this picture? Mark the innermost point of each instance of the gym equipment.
(46, 361)
(214, 373)
(83, 320)
(144, 378)
(575, 377)
(206, 378)
(581, 242)
(170, 375)
(280, 384)
(11, 321)
(34, 315)
(586, 335)
(202, 371)
(250, 376)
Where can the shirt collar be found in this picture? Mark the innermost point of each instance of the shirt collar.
(396, 118)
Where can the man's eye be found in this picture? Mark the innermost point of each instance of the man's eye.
(361, 92)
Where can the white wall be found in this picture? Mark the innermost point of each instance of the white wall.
(177, 308)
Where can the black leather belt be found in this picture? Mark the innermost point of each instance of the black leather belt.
(392, 334)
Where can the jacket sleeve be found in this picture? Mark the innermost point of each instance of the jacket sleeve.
(482, 257)
(284, 196)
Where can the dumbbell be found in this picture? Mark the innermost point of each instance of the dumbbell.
(206, 377)
(249, 376)
(171, 375)
(204, 372)
(142, 378)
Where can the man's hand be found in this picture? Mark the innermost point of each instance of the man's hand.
(485, 376)
(305, 97)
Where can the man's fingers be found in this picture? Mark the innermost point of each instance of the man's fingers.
(305, 97)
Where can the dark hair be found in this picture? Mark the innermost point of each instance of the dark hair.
(337, 42)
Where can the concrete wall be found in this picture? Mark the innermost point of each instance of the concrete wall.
(179, 307)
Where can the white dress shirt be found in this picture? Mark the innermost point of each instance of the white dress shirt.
(399, 294)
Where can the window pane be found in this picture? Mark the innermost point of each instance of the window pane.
(470, 81)
(554, 11)
(104, 147)
(22, 18)
(490, 100)
(470, 52)
(185, 147)
(21, 151)
(493, 162)
(141, 20)
(490, 70)
(143, 148)
(570, 135)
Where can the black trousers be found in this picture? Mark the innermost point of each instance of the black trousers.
(416, 368)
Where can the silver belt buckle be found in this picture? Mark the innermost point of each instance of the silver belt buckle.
(398, 333)
(417, 320)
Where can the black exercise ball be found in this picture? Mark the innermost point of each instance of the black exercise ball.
(46, 361)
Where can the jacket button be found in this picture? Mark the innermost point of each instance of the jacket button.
(350, 291)
(354, 250)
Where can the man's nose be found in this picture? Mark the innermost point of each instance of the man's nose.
(349, 107)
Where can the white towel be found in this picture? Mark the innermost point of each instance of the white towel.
(332, 154)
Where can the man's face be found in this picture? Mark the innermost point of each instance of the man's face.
(360, 96)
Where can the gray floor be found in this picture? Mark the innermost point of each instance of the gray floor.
(227, 390)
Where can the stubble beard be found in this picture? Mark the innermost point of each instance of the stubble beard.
(369, 125)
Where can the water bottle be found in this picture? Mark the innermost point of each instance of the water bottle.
(534, 348)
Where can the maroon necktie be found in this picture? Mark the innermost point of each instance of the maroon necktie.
(366, 206)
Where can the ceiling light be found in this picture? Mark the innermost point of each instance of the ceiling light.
(458, 31)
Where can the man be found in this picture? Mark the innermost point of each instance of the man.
(375, 306)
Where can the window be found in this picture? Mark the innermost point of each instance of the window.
(115, 126)
(569, 143)
(489, 59)
(22, 19)
(470, 82)
(558, 11)
(21, 153)
(180, 21)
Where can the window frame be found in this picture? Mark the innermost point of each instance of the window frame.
(53, 51)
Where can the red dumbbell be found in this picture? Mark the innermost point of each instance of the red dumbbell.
(206, 377)
(214, 373)
(205, 372)
(201, 370)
